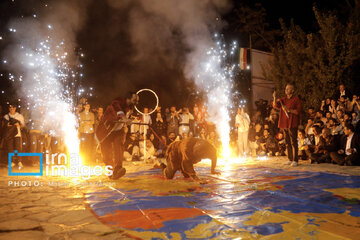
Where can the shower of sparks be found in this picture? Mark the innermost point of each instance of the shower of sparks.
(50, 86)
(217, 77)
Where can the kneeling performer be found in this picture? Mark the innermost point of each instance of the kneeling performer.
(182, 155)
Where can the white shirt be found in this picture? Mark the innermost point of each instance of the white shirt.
(185, 118)
(146, 118)
(242, 121)
(18, 117)
(348, 144)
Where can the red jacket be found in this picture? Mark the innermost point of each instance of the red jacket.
(294, 119)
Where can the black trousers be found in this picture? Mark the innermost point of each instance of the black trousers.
(342, 159)
(13, 144)
(112, 149)
(291, 143)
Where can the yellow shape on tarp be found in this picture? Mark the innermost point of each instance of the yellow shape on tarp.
(153, 235)
(348, 193)
(308, 225)
(217, 230)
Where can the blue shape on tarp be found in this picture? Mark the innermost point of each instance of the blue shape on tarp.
(232, 203)
(268, 228)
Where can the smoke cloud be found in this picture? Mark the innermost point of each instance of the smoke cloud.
(149, 43)
(41, 57)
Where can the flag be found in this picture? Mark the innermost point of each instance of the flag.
(243, 58)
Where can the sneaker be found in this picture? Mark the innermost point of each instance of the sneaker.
(118, 173)
(288, 163)
(294, 164)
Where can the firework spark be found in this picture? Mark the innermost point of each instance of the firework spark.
(217, 77)
(49, 84)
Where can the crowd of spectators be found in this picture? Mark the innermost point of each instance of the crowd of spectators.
(162, 127)
(323, 136)
(329, 134)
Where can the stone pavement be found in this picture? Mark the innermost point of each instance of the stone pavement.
(47, 211)
(55, 209)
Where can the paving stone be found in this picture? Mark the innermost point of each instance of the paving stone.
(41, 216)
(60, 203)
(115, 236)
(6, 209)
(21, 235)
(51, 228)
(82, 235)
(59, 237)
(19, 224)
(97, 228)
(13, 215)
(39, 208)
(72, 217)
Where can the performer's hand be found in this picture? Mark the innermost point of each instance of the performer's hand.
(340, 151)
(195, 178)
(202, 182)
(274, 94)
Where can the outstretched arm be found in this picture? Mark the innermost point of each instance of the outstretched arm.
(213, 165)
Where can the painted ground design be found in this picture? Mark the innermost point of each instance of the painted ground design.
(243, 202)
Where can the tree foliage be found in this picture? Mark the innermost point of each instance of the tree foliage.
(250, 19)
(316, 62)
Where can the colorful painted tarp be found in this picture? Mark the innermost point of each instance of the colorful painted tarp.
(243, 203)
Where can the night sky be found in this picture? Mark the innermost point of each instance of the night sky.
(111, 66)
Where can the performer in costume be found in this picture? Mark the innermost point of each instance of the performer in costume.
(182, 155)
(111, 132)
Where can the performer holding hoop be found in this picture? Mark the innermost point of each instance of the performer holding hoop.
(112, 129)
(111, 132)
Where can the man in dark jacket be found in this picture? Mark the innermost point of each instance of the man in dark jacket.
(350, 147)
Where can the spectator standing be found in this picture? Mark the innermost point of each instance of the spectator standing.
(173, 121)
(290, 109)
(146, 118)
(242, 122)
(185, 117)
(14, 121)
(159, 125)
(86, 130)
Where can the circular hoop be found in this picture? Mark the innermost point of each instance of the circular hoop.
(157, 100)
